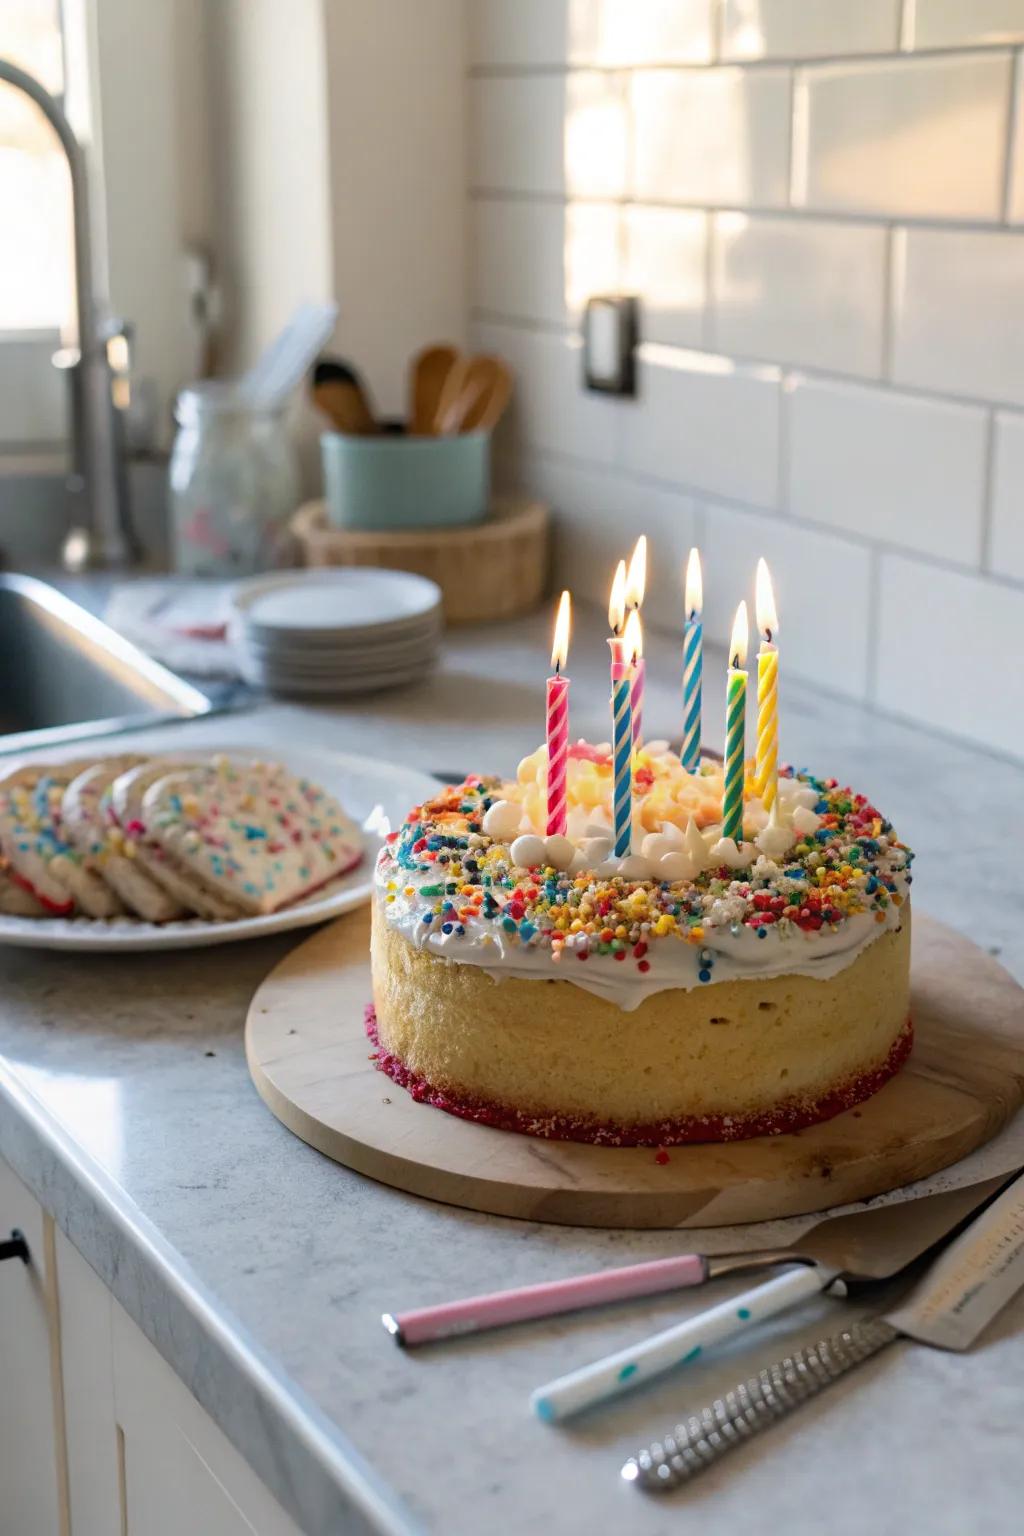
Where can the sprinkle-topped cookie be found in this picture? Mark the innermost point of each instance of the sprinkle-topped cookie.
(34, 845)
(250, 832)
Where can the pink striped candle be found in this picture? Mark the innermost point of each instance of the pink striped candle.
(637, 700)
(558, 722)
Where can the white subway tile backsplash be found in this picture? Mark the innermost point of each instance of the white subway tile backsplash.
(917, 137)
(1007, 546)
(711, 136)
(611, 33)
(805, 291)
(793, 29)
(952, 23)
(944, 652)
(806, 567)
(550, 407)
(887, 466)
(550, 134)
(664, 264)
(598, 518)
(540, 260)
(706, 423)
(646, 31)
(602, 160)
(1015, 179)
(958, 312)
(519, 33)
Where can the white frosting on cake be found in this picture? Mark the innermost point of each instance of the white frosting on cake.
(736, 955)
(677, 838)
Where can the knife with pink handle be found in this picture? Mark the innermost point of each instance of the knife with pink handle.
(869, 1244)
(476, 1313)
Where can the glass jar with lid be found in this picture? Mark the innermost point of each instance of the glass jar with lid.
(234, 483)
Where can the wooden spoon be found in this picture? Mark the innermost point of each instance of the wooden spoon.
(339, 393)
(485, 392)
(430, 370)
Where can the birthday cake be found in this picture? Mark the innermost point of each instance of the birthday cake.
(696, 988)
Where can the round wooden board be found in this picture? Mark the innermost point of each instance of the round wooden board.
(310, 1060)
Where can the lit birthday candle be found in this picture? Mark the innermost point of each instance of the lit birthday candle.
(617, 616)
(622, 739)
(693, 663)
(766, 768)
(558, 722)
(735, 730)
(636, 586)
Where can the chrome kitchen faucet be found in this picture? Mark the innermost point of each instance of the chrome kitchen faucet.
(96, 427)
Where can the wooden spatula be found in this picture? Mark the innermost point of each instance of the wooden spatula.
(484, 393)
(339, 393)
(430, 370)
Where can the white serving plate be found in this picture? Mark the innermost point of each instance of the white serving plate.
(326, 603)
(376, 795)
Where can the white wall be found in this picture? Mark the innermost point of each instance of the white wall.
(268, 145)
(821, 205)
(396, 111)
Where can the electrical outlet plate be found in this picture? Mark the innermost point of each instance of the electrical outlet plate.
(610, 328)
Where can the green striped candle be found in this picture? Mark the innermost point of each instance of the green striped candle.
(735, 730)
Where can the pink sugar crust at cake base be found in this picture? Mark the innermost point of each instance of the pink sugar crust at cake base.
(780, 1121)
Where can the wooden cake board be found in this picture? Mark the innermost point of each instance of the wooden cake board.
(311, 1062)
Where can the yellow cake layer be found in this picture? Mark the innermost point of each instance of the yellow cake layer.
(728, 1048)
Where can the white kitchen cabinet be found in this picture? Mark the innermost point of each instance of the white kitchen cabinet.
(85, 1308)
(31, 1456)
(180, 1473)
(98, 1436)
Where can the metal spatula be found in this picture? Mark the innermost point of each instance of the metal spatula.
(972, 1280)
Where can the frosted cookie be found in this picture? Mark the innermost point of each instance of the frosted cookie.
(33, 843)
(15, 900)
(89, 825)
(251, 831)
(125, 802)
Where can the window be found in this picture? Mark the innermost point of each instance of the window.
(36, 271)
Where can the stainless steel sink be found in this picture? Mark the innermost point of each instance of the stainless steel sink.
(65, 675)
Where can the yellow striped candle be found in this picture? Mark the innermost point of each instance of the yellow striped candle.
(735, 730)
(766, 767)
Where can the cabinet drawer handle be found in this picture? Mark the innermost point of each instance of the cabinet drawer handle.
(15, 1247)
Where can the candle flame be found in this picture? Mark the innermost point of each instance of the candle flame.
(633, 639)
(617, 601)
(560, 648)
(636, 578)
(694, 586)
(740, 635)
(767, 618)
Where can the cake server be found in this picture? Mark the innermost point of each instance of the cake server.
(972, 1280)
(872, 1244)
(863, 1246)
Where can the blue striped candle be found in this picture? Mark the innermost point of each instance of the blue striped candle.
(693, 665)
(622, 758)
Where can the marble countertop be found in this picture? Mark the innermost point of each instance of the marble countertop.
(259, 1269)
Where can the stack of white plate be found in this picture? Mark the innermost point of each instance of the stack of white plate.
(333, 632)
